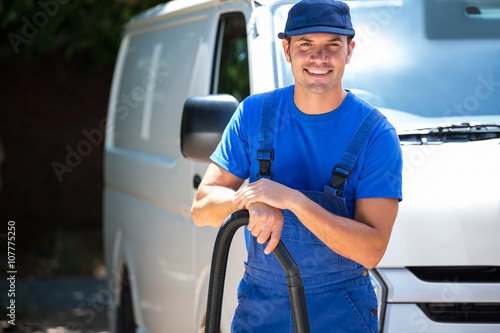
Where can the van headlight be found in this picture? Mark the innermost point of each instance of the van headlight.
(381, 293)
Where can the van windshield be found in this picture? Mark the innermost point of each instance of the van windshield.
(416, 70)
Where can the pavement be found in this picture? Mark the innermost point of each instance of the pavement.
(56, 305)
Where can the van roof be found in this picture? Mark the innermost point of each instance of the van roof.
(166, 8)
(176, 5)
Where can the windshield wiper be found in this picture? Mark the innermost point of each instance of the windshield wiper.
(450, 133)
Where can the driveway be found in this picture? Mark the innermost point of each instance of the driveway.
(56, 305)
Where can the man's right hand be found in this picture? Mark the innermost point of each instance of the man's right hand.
(265, 223)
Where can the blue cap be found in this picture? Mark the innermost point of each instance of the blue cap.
(318, 16)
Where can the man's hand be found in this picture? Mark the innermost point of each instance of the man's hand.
(265, 223)
(266, 191)
(264, 200)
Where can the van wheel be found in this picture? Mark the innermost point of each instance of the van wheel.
(125, 312)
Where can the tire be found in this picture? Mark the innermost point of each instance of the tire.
(125, 313)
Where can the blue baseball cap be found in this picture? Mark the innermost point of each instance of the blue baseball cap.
(318, 16)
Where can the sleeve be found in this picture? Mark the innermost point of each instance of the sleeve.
(381, 174)
(232, 152)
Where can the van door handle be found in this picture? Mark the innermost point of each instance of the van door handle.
(196, 181)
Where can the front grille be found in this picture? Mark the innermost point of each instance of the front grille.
(478, 313)
(474, 274)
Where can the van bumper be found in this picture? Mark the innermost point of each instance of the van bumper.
(408, 318)
(442, 305)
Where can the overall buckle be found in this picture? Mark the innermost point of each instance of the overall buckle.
(265, 157)
(339, 176)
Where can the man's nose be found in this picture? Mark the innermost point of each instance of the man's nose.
(320, 54)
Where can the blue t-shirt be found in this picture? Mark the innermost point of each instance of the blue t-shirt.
(307, 147)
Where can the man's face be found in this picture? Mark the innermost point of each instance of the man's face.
(318, 61)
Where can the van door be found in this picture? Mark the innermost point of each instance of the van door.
(230, 76)
(163, 60)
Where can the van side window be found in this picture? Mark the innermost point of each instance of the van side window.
(155, 81)
(231, 74)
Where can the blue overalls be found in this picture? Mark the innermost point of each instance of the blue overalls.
(339, 295)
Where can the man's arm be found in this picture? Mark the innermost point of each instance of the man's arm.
(213, 202)
(363, 239)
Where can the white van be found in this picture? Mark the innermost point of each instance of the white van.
(431, 66)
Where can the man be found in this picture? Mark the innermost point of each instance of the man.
(287, 143)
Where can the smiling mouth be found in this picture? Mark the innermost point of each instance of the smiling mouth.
(318, 71)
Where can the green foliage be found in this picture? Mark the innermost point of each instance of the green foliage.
(90, 27)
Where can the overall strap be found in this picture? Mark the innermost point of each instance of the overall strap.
(265, 154)
(342, 170)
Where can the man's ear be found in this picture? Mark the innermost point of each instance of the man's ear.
(286, 49)
(350, 49)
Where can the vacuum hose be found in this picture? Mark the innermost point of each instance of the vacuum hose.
(218, 276)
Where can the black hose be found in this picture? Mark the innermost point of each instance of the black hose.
(218, 276)
(295, 288)
(218, 269)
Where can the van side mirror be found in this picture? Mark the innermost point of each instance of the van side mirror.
(203, 120)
